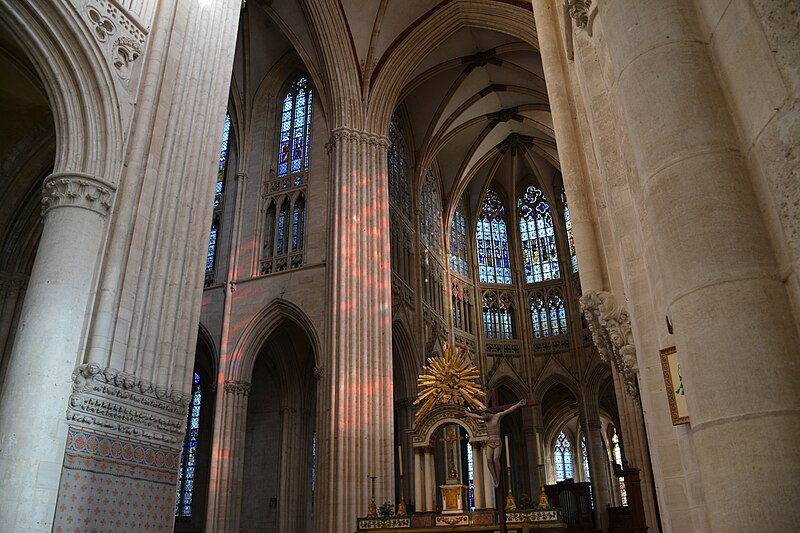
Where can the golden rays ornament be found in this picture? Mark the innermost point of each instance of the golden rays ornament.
(450, 378)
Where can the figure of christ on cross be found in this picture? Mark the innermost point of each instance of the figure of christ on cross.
(494, 442)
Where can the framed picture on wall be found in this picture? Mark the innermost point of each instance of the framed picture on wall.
(676, 393)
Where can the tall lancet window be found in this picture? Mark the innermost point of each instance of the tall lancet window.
(562, 458)
(570, 238)
(538, 237)
(585, 454)
(492, 241)
(430, 213)
(398, 167)
(295, 130)
(219, 188)
(458, 241)
(183, 502)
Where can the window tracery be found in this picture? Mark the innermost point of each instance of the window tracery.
(285, 194)
(548, 313)
(585, 455)
(562, 458)
(459, 258)
(538, 237)
(492, 241)
(430, 213)
(398, 167)
(498, 312)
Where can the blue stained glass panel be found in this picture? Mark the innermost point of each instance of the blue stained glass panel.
(492, 242)
(538, 237)
(295, 129)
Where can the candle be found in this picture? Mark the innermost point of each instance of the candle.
(373, 460)
(400, 458)
(508, 460)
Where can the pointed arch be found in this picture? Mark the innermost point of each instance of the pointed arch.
(239, 366)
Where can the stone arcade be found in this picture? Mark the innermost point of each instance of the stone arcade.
(233, 231)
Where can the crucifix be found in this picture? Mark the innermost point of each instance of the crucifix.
(492, 417)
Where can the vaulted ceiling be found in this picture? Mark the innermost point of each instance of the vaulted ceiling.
(475, 100)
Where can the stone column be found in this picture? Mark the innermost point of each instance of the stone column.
(48, 345)
(11, 288)
(733, 325)
(488, 484)
(479, 485)
(227, 451)
(570, 154)
(358, 357)
(598, 469)
(430, 479)
(419, 481)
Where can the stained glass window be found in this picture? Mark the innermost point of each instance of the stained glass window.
(538, 237)
(558, 315)
(492, 242)
(398, 167)
(458, 241)
(548, 314)
(218, 190)
(223, 161)
(183, 501)
(497, 317)
(570, 238)
(430, 213)
(298, 224)
(585, 454)
(562, 458)
(538, 316)
(313, 462)
(212, 246)
(295, 130)
(616, 450)
(470, 475)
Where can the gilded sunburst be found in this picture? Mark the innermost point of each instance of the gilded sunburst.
(450, 378)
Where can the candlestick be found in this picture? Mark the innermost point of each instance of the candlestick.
(401, 507)
(508, 459)
(400, 459)
(373, 461)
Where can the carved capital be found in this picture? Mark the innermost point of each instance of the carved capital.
(77, 190)
(360, 137)
(610, 325)
(121, 403)
(241, 388)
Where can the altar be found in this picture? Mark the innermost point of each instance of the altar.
(449, 385)
(520, 521)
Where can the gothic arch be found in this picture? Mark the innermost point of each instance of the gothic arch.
(78, 82)
(240, 365)
(204, 336)
(405, 359)
(556, 377)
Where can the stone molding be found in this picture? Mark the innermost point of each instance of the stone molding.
(73, 189)
(610, 325)
(240, 388)
(121, 403)
(360, 137)
(120, 35)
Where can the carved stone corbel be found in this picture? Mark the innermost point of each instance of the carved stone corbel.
(610, 325)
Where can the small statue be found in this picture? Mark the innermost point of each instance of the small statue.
(494, 443)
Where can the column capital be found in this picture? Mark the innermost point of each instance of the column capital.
(358, 136)
(240, 388)
(76, 189)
